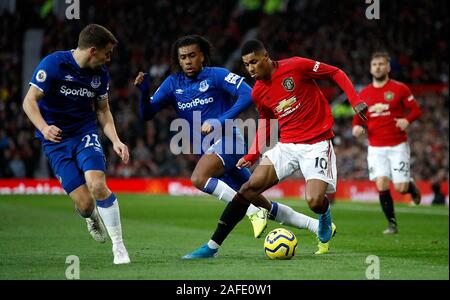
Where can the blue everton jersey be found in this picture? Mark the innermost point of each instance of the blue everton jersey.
(69, 93)
(215, 92)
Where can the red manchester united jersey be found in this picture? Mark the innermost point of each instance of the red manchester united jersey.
(386, 104)
(293, 97)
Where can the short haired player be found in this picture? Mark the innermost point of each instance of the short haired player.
(392, 108)
(67, 96)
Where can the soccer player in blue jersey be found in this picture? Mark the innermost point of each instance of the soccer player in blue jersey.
(68, 94)
(214, 95)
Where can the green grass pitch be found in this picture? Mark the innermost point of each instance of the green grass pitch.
(37, 233)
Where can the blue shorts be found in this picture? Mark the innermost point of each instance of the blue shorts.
(73, 156)
(230, 149)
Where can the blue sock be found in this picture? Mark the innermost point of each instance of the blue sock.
(273, 211)
(107, 202)
(325, 226)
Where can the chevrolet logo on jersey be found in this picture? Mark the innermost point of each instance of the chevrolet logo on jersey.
(378, 108)
(285, 104)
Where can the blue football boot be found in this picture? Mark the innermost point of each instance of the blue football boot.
(325, 226)
(202, 252)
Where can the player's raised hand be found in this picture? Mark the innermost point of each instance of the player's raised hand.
(139, 79)
(207, 128)
(122, 150)
(401, 123)
(142, 81)
(243, 163)
(361, 110)
(52, 133)
(358, 131)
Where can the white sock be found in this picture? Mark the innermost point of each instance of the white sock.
(111, 219)
(288, 216)
(225, 193)
(213, 245)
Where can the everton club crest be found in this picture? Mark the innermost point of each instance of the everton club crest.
(96, 82)
(203, 86)
(288, 84)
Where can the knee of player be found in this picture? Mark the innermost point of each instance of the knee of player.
(98, 188)
(402, 188)
(251, 187)
(316, 203)
(198, 181)
(382, 183)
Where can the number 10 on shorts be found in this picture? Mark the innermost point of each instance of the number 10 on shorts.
(321, 162)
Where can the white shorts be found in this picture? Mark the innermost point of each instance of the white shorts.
(315, 161)
(391, 161)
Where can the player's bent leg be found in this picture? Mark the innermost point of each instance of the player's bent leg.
(209, 165)
(315, 195)
(235, 211)
(285, 215)
(206, 176)
(416, 195)
(263, 178)
(409, 188)
(382, 183)
(108, 208)
(318, 202)
(401, 187)
(84, 203)
(85, 207)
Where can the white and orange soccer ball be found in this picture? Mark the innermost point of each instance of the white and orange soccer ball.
(280, 243)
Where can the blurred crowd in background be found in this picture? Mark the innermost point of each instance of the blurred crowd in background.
(335, 32)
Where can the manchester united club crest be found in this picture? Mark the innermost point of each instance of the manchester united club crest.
(389, 96)
(289, 84)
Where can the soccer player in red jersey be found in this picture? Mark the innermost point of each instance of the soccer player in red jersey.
(392, 107)
(286, 90)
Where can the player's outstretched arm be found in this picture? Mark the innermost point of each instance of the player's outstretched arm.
(318, 70)
(148, 108)
(31, 109)
(106, 122)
